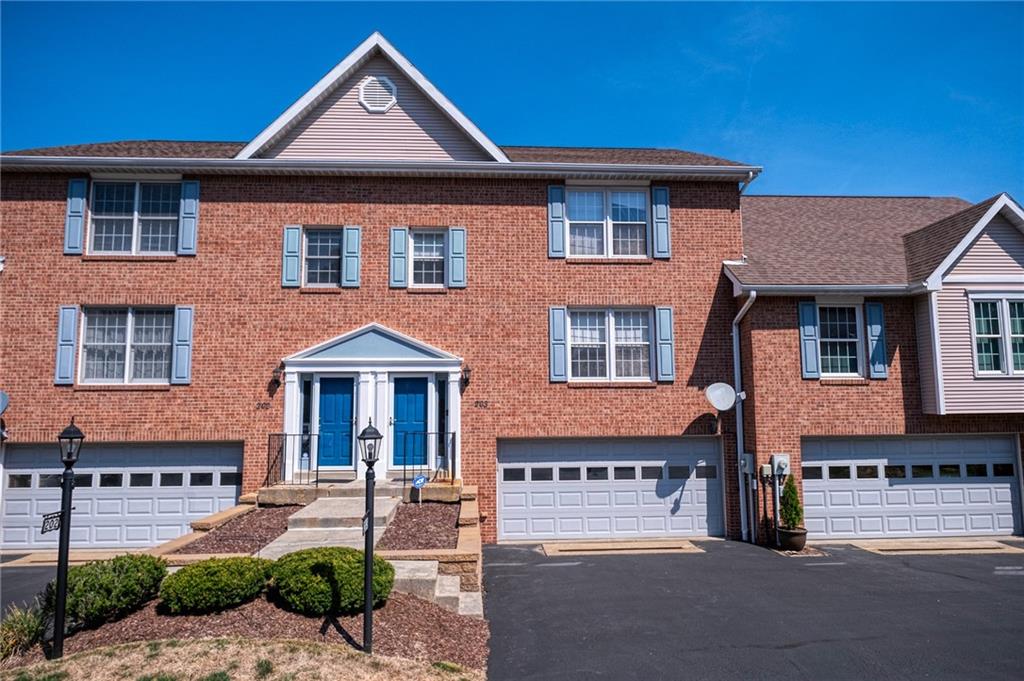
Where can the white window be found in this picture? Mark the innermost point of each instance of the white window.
(610, 345)
(322, 262)
(129, 218)
(607, 222)
(130, 345)
(998, 331)
(841, 340)
(427, 262)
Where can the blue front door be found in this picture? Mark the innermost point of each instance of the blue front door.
(410, 426)
(335, 422)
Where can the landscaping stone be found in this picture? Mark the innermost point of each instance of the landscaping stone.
(244, 534)
(423, 526)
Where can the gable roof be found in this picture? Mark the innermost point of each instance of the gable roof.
(373, 342)
(375, 45)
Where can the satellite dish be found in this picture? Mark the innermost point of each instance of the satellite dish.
(721, 396)
(5, 399)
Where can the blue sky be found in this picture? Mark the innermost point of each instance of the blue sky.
(894, 99)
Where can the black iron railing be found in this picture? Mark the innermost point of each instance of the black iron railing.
(299, 451)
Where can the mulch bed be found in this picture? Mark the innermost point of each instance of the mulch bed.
(429, 525)
(405, 626)
(247, 533)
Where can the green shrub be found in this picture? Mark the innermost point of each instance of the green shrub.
(791, 511)
(107, 590)
(21, 629)
(214, 584)
(328, 580)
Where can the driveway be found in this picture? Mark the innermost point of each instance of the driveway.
(743, 612)
(19, 585)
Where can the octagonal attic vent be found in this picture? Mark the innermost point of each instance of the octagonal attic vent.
(377, 93)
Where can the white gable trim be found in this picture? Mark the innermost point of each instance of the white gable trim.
(442, 356)
(1003, 203)
(376, 42)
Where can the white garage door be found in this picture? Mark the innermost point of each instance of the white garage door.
(911, 487)
(609, 488)
(130, 495)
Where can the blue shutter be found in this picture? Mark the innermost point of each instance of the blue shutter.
(556, 221)
(558, 347)
(661, 225)
(455, 268)
(188, 224)
(290, 256)
(351, 249)
(74, 220)
(67, 333)
(878, 366)
(809, 340)
(399, 257)
(666, 344)
(181, 360)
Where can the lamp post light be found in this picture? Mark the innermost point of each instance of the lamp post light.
(369, 447)
(70, 441)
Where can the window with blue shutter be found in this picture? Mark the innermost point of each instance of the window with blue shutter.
(188, 220)
(74, 220)
(666, 350)
(181, 359)
(399, 258)
(351, 250)
(808, 319)
(558, 357)
(290, 247)
(661, 223)
(455, 267)
(67, 334)
(556, 221)
(878, 364)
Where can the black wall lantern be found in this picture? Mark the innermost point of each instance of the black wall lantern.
(466, 372)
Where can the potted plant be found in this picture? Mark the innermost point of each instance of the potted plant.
(792, 534)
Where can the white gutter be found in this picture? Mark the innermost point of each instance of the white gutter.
(737, 370)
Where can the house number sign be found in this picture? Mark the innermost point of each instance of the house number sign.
(51, 522)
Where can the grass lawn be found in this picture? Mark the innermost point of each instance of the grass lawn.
(227, 659)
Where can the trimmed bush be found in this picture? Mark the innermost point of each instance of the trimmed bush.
(791, 511)
(107, 590)
(214, 584)
(21, 629)
(328, 581)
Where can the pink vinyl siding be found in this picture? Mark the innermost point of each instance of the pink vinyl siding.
(926, 358)
(340, 128)
(998, 251)
(965, 393)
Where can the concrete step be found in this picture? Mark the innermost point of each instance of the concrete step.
(358, 489)
(416, 577)
(447, 591)
(296, 540)
(471, 603)
(328, 512)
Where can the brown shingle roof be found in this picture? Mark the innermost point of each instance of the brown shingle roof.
(927, 247)
(175, 149)
(833, 240)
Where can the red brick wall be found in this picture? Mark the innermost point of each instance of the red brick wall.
(245, 322)
(782, 407)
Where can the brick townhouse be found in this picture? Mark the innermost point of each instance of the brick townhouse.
(541, 322)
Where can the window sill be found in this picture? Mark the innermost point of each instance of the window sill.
(129, 258)
(845, 381)
(316, 290)
(643, 385)
(609, 261)
(427, 291)
(122, 387)
(994, 375)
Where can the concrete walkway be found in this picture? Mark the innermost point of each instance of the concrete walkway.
(331, 521)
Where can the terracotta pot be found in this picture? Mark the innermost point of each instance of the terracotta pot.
(792, 540)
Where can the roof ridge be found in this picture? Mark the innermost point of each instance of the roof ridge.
(852, 196)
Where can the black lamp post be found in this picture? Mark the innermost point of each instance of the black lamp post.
(70, 441)
(369, 447)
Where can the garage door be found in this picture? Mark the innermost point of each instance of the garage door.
(911, 487)
(131, 495)
(609, 488)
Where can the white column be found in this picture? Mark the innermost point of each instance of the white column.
(292, 422)
(455, 417)
(381, 419)
(365, 393)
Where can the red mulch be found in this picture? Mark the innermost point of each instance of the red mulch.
(247, 533)
(405, 626)
(429, 525)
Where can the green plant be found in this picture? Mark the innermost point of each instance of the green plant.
(791, 511)
(214, 584)
(21, 629)
(107, 590)
(264, 668)
(328, 580)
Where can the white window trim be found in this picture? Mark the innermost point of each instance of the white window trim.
(135, 218)
(1002, 299)
(410, 248)
(861, 338)
(610, 345)
(129, 347)
(303, 260)
(608, 228)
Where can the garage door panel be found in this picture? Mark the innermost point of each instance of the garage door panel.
(627, 524)
(598, 499)
(570, 526)
(899, 524)
(654, 524)
(542, 526)
(869, 498)
(570, 499)
(542, 499)
(13, 509)
(951, 496)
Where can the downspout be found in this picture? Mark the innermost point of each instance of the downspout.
(740, 397)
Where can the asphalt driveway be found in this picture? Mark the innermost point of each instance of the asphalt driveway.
(19, 585)
(743, 612)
